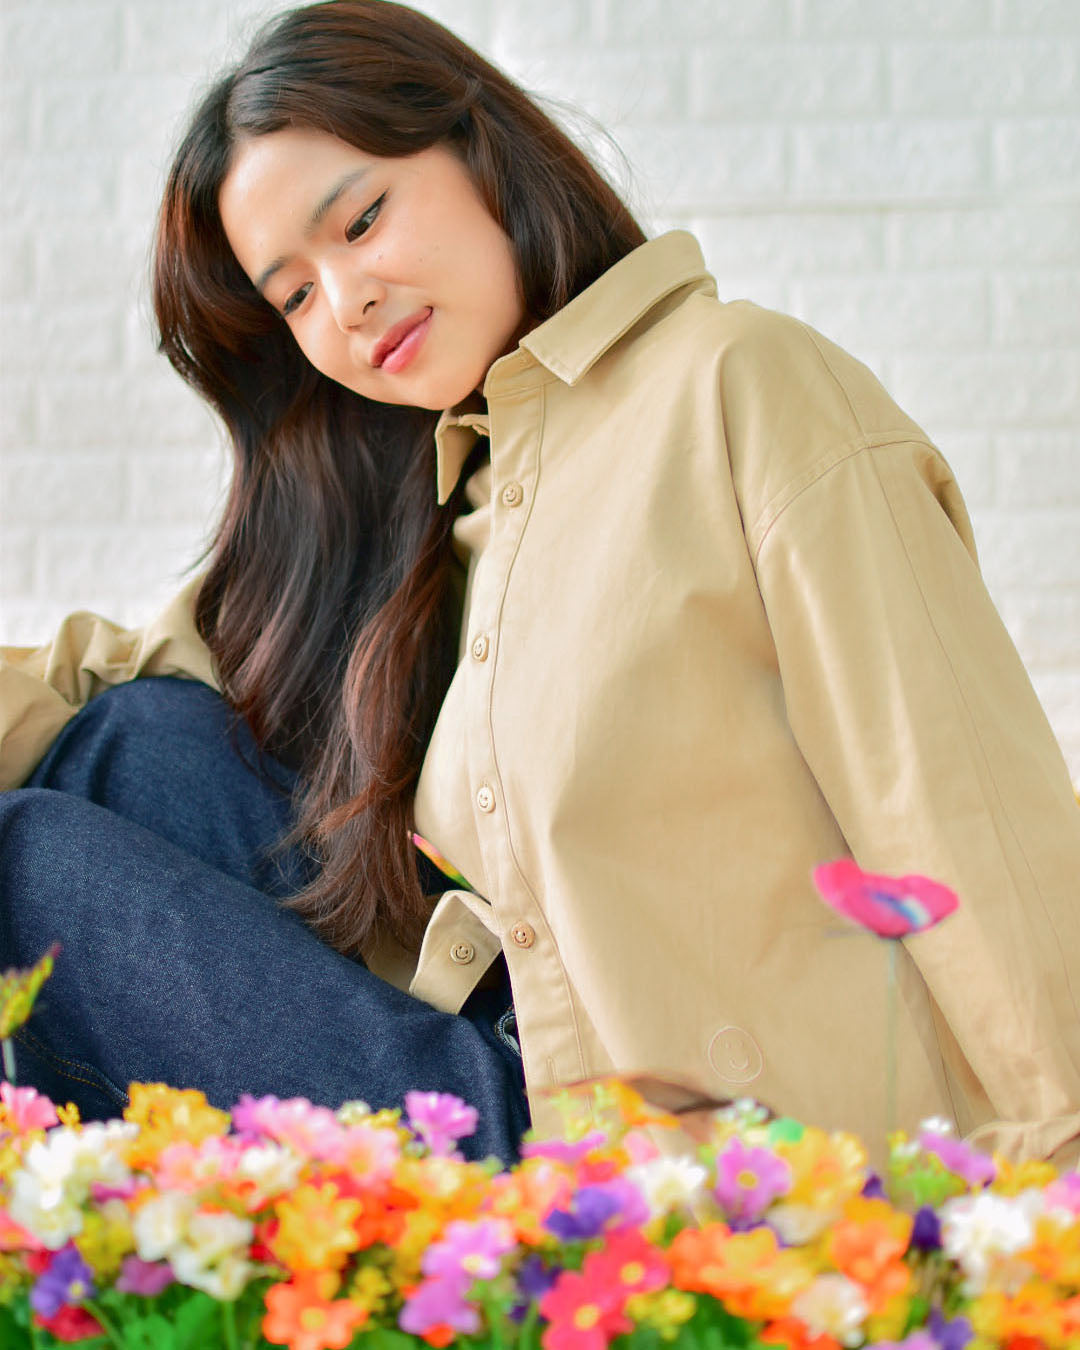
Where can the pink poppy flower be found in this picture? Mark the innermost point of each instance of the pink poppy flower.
(891, 907)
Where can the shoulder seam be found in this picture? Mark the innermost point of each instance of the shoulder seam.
(791, 491)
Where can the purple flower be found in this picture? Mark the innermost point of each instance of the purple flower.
(534, 1279)
(469, 1250)
(748, 1180)
(440, 1119)
(439, 1301)
(952, 1335)
(975, 1167)
(926, 1230)
(605, 1205)
(872, 1188)
(68, 1280)
(147, 1278)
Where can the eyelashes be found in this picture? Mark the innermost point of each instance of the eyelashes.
(352, 231)
(355, 229)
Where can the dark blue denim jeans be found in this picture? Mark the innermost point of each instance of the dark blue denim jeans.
(142, 846)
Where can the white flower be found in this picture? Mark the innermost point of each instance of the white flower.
(668, 1184)
(272, 1170)
(160, 1224)
(833, 1306)
(212, 1254)
(51, 1184)
(935, 1125)
(981, 1232)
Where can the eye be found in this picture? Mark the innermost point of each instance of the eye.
(364, 222)
(296, 299)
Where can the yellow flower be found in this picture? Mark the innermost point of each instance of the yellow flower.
(169, 1116)
(826, 1169)
(1012, 1178)
(106, 1238)
(316, 1228)
(665, 1310)
(889, 1323)
(1055, 1253)
(69, 1115)
(370, 1289)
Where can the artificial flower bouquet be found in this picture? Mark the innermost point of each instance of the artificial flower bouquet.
(287, 1224)
(182, 1227)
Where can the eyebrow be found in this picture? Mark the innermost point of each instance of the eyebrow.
(316, 218)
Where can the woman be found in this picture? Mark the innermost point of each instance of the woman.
(721, 621)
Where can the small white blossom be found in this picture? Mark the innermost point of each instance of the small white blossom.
(271, 1169)
(160, 1224)
(797, 1224)
(668, 1184)
(833, 1306)
(935, 1125)
(981, 1232)
(53, 1180)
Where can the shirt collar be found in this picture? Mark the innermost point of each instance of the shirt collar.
(575, 338)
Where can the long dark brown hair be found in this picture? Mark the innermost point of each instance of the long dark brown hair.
(328, 603)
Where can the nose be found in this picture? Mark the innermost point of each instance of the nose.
(350, 292)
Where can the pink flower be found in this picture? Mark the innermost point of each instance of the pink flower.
(27, 1109)
(439, 1302)
(312, 1131)
(470, 1250)
(892, 907)
(1064, 1193)
(562, 1150)
(967, 1162)
(147, 1278)
(748, 1180)
(440, 1119)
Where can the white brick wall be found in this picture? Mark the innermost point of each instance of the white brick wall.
(904, 176)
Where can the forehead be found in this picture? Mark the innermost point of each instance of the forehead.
(274, 185)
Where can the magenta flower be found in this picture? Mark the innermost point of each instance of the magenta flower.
(312, 1131)
(469, 1250)
(440, 1119)
(891, 907)
(439, 1302)
(562, 1150)
(147, 1278)
(748, 1180)
(68, 1280)
(967, 1162)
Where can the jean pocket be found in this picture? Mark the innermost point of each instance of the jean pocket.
(63, 1079)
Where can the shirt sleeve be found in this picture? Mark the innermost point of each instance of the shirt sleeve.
(41, 688)
(917, 718)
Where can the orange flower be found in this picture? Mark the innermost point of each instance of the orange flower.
(1032, 1314)
(867, 1244)
(301, 1316)
(316, 1228)
(794, 1334)
(747, 1272)
(1055, 1253)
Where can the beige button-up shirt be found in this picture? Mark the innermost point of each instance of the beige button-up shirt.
(724, 622)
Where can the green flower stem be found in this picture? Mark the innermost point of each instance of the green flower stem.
(9, 1059)
(111, 1332)
(228, 1326)
(890, 1038)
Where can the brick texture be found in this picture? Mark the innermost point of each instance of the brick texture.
(906, 177)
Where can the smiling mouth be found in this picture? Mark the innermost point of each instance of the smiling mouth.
(398, 346)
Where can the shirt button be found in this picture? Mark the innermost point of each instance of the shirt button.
(480, 647)
(523, 934)
(485, 799)
(462, 953)
(513, 494)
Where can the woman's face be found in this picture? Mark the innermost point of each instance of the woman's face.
(392, 274)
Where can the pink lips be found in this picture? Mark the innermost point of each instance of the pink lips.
(399, 344)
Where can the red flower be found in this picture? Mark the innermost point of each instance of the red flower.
(583, 1313)
(629, 1264)
(892, 907)
(70, 1324)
